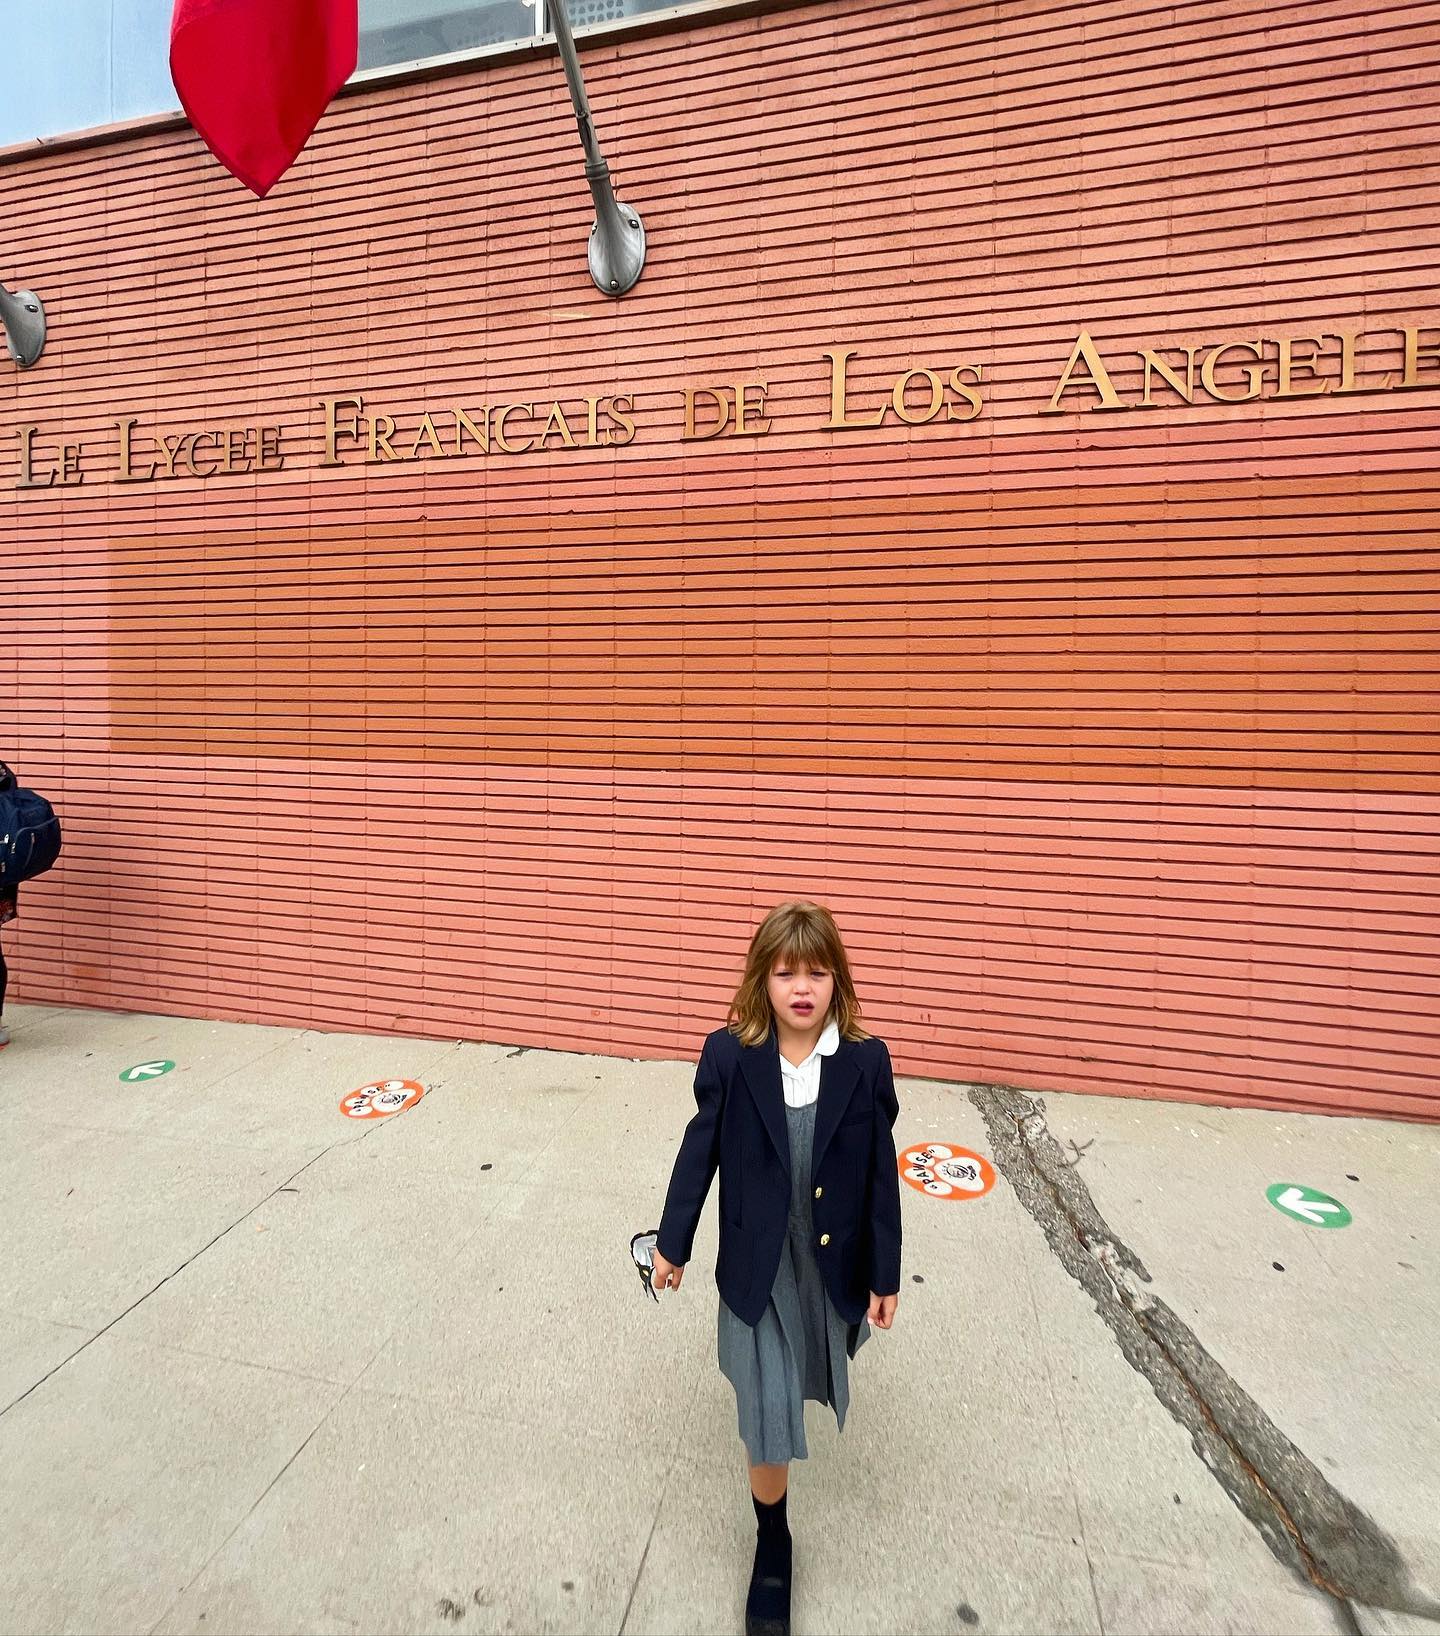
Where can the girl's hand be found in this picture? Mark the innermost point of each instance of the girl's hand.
(666, 1274)
(882, 1309)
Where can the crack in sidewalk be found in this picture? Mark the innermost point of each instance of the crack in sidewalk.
(1309, 1526)
(175, 1272)
(433, 1085)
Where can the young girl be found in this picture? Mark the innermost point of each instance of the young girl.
(795, 1107)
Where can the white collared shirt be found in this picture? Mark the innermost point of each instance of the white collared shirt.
(801, 1081)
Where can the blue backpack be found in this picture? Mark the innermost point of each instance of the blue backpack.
(29, 832)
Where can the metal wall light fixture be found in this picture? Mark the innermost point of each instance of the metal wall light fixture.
(23, 316)
(617, 240)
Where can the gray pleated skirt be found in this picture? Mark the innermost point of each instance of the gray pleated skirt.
(801, 1347)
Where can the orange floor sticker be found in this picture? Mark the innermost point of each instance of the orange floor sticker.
(945, 1171)
(385, 1096)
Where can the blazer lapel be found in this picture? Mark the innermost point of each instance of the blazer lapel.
(761, 1066)
(839, 1075)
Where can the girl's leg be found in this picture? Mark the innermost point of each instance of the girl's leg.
(767, 1607)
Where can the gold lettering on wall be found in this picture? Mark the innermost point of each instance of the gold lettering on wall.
(1254, 373)
(1155, 365)
(916, 397)
(501, 416)
(1239, 371)
(734, 408)
(382, 429)
(924, 412)
(269, 457)
(427, 434)
(716, 412)
(1347, 339)
(1096, 377)
(236, 459)
(750, 408)
(605, 420)
(1290, 365)
(556, 425)
(1416, 353)
(967, 391)
(622, 411)
(840, 419)
(211, 466)
(334, 431)
(145, 457)
(61, 471)
(128, 472)
(480, 432)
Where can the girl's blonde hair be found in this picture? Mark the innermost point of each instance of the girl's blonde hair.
(793, 932)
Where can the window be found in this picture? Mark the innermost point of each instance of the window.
(69, 65)
(398, 31)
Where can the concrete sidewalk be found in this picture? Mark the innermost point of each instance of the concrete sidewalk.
(264, 1368)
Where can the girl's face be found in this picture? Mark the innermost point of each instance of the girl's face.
(800, 992)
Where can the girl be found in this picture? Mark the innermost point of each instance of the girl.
(795, 1104)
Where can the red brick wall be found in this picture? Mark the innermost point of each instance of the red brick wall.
(1107, 733)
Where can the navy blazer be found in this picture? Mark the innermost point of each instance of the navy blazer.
(739, 1126)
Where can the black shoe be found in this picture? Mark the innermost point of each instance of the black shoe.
(767, 1608)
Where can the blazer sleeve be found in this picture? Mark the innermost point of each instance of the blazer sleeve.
(885, 1185)
(695, 1164)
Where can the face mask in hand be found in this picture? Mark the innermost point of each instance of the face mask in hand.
(642, 1253)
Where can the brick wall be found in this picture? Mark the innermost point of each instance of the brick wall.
(1108, 732)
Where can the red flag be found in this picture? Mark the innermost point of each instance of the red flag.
(254, 76)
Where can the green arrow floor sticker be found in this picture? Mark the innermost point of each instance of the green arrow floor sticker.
(145, 1070)
(1306, 1204)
